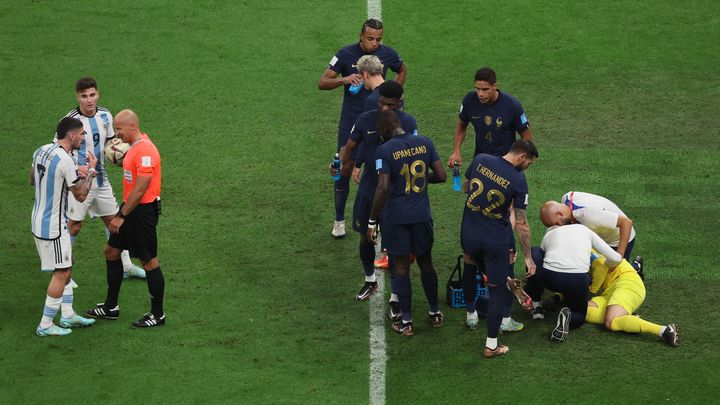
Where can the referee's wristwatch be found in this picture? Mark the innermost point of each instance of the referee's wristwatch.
(120, 214)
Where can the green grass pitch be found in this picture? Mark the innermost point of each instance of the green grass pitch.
(622, 98)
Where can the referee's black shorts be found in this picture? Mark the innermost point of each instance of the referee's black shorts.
(138, 233)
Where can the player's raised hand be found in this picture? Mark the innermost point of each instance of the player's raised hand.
(354, 79)
(82, 171)
(91, 159)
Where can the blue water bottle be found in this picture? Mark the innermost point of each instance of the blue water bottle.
(482, 297)
(355, 88)
(457, 184)
(335, 172)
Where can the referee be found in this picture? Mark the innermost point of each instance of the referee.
(133, 227)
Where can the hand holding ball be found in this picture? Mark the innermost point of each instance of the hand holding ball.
(115, 151)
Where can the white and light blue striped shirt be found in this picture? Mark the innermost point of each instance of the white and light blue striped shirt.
(53, 172)
(98, 129)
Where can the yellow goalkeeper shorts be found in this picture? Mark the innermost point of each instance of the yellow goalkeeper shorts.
(627, 290)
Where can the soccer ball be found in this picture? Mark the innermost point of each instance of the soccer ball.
(115, 151)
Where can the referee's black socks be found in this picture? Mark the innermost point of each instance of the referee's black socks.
(156, 288)
(114, 280)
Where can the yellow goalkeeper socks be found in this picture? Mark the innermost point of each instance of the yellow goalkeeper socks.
(595, 315)
(634, 324)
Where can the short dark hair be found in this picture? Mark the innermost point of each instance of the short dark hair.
(372, 23)
(486, 75)
(84, 84)
(66, 125)
(391, 89)
(387, 122)
(524, 146)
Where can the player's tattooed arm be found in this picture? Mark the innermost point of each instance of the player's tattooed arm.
(523, 232)
(82, 185)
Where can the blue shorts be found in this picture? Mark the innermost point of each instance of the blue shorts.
(492, 260)
(361, 212)
(344, 129)
(628, 250)
(406, 239)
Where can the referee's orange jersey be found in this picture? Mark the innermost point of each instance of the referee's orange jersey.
(143, 159)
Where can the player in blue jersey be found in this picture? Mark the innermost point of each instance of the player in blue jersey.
(98, 124)
(405, 165)
(496, 117)
(371, 70)
(342, 71)
(494, 184)
(365, 133)
(53, 173)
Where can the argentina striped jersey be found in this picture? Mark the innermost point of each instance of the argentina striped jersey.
(53, 172)
(98, 129)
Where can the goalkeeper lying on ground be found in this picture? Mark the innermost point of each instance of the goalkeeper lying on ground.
(622, 294)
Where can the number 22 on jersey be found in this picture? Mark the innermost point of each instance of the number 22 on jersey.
(494, 197)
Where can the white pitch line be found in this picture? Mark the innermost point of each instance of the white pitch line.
(378, 353)
(374, 8)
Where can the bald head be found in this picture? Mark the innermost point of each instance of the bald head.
(127, 116)
(127, 126)
(553, 213)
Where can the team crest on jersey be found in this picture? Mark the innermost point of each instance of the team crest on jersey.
(498, 122)
(128, 175)
(488, 120)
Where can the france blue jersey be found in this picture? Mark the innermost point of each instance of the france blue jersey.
(366, 135)
(495, 124)
(406, 159)
(495, 184)
(372, 102)
(345, 64)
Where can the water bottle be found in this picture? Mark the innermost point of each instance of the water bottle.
(355, 88)
(457, 184)
(482, 297)
(335, 171)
